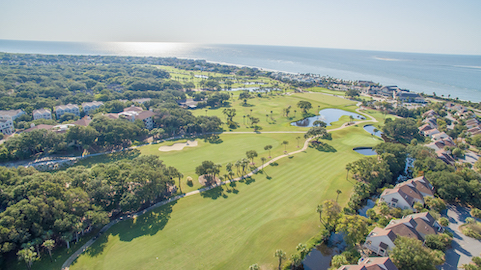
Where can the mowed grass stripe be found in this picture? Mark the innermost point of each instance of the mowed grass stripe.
(237, 231)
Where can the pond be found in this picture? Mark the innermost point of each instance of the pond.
(320, 257)
(370, 129)
(328, 116)
(367, 151)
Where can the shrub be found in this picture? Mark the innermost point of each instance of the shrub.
(472, 230)
(396, 212)
(444, 221)
(438, 241)
(475, 212)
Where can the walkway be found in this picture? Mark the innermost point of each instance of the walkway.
(74, 256)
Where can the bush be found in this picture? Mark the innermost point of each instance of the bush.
(444, 221)
(319, 238)
(438, 241)
(472, 230)
(396, 212)
(475, 212)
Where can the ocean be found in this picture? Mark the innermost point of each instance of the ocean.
(446, 75)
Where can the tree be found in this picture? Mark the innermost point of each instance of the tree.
(49, 245)
(475, 212)
(302, 248)
(285, 143)
(402, 130)
(409, 254)
(268, 148)
(354, 227)
(28, 256)
(319, 123)
(329, 212)
(317, 132)
(254, 267)
(298, 138)
(280, 255)
(251, 154)
(338, 261)
(296, 261)
(338, 192)
(304, 105)
(352, 93)
(263, 160)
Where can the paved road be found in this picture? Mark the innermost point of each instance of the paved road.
(74, 256)
(463, 247)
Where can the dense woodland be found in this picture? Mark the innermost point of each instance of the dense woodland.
(62, 206)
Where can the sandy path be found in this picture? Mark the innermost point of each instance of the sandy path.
(178, 146)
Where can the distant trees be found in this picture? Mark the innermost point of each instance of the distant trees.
(402, 130)
(352, 93)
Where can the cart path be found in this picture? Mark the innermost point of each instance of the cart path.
(76, 254)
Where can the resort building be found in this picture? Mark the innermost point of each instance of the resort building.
(90, 106)
(135, 113)
(417, 226)
(6, 126)
(406, 194)
(11, 114)
(406, 96)
(69, 108)
(42, 114)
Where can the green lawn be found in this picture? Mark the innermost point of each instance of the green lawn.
(262, 107)
(235, 227)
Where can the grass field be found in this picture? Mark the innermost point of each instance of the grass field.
(234, 227)
(262, 107)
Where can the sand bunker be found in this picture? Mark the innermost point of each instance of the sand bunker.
(177, 146)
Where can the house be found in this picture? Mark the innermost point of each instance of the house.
(42, 114)
(148, 118)
(11, 114)
(431, 121)
(474, 131)
(406, 96)
(445, 156)
(441, 144)
(6, 126)
(37, 127)
(69, 108)
(417, 226)
(85, 121)
(141, 100)
(90, 106)
(406, 194)
(135, 113)
(188, 103)
(441, 136)
(430, 113)
(431, 133)
(424, 128)
(371, 263)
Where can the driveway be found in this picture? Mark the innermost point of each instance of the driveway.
(463, 247)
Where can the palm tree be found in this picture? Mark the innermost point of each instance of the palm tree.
(348, 168)
(67, 237)
(237, 165)
(49, 244)
(28, 256)
(338, 192)
(280, 255)
(319, 210)
(298, 138)
(351, 118)
(180, 175)
(271, 114)
(267, 118)
(263, 159)
(285, 143)
(244, 119)
(295, 113)
(268, 148)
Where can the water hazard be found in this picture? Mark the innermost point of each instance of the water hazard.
(370, 129)
(328, 116)
(367, 151)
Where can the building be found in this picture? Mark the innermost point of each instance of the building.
(187, 103)
(90, 106)
(406, 194)
(11, 114)
(417, 226)
(6, 126)
(141, 100)
(85, 121)
(69, 108)
(371, 263)
(406, 96)
(430, 113)
(133, 113)
(42, 114)
(37, 127)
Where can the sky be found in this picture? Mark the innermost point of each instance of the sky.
(425, 26)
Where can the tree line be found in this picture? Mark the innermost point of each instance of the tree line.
(59, 207)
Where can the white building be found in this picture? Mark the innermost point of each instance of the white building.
(90, 106)
(11, 114)
(69, 108)
(6, 126)
(42, 114)
(405, 194)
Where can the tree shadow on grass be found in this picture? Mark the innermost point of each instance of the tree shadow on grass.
(249, 180)
(323, 147)
(274, 164)
(214, 193)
